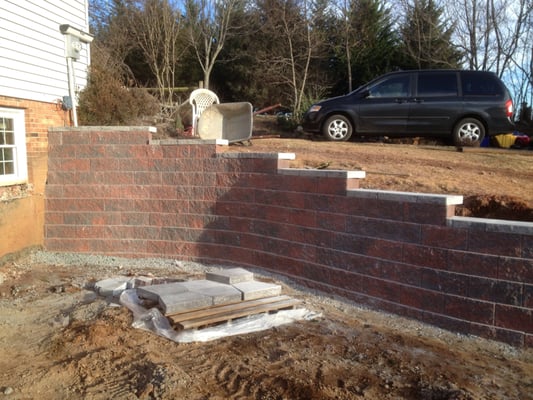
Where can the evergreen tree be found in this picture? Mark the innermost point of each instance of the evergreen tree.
(364, 42)
(427, 39)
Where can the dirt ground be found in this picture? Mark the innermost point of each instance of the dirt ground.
(495, 182)
(59, 340)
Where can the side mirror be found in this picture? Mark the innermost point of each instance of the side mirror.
(364, 94)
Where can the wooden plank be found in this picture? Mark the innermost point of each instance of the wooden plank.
(227, 314)
(206, 311)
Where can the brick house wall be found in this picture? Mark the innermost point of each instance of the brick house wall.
(113, 191)
(22, 206)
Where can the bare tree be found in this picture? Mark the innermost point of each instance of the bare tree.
(158, 29)
(209, 24)
(427, 35)
(287, 63)
(496, 35)
(489, 31)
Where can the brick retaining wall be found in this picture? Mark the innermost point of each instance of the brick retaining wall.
(114, 191)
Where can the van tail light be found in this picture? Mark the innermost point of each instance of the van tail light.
(509, 108)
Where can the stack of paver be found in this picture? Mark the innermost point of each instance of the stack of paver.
(222, 296)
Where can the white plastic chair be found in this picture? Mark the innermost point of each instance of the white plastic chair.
(200, 99)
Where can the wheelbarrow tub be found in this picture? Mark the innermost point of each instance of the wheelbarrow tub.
(230, 121)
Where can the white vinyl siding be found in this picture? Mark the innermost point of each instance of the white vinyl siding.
(32, 49)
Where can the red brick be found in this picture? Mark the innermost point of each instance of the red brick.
(400, 272)
(103, 164)
(443, 281)
(381, 209)
(135, 219)
(495, 291)
(528, 296)
(381, 289)
(515, 318)
(118, 178)
(515, 269)
(497, 243)
(331, 185)
(444, 237)
(469, 310)
(473, 264)
(383, 229)
(425, 256)
(330, 222)
(422, 299)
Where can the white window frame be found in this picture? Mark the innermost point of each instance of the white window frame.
(20, 157)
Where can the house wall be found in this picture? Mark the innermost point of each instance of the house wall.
(22, 206)
(33, 77)
(33, 63)
(112, 191)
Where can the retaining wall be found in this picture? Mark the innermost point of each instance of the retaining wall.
(114, 191)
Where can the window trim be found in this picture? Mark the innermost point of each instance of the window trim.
(21, 160)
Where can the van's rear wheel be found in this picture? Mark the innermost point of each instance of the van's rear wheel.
(468, 132)
(337, 128)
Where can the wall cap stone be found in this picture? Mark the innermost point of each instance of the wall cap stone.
(277, 156)
(102, 128)
(492, 225)
(406, 197)
(329, 173)
(220, 142)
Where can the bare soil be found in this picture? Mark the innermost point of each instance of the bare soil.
(59, 340)
(495, 182)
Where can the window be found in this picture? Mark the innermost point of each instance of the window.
(397, 86)
(13, 167)
(480, 84)
(439, 84)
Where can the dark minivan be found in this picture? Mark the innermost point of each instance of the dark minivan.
(465, 106)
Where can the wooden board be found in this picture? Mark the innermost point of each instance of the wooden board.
(211, 315)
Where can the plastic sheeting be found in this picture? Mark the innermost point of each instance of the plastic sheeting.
(154, 321)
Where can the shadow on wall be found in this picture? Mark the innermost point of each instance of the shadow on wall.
(398, 252)
(109, 192)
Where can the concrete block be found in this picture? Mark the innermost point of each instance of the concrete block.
(230, 276)
(143, 281)
(172, 303)
(257, 290)
(111, 286)
(219, 292)
(154, 292)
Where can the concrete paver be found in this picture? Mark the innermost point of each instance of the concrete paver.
(184, 301)
(219, 292)
(183, 296)
(153, 292)
(230, 276)
(255, 290)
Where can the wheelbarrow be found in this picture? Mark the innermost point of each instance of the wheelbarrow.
(230, 121)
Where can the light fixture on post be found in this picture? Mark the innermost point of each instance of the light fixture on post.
(73, 46)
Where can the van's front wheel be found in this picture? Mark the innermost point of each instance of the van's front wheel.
(468, 132)
(337, 128)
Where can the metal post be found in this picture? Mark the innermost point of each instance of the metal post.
(71, 89)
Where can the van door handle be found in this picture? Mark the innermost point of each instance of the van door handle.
(400, 101)
(417, 100)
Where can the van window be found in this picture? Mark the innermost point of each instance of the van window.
(437, 84)
(480, 84)
(396, 86)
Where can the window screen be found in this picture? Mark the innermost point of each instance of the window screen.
(7, 146)
(13, 161)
